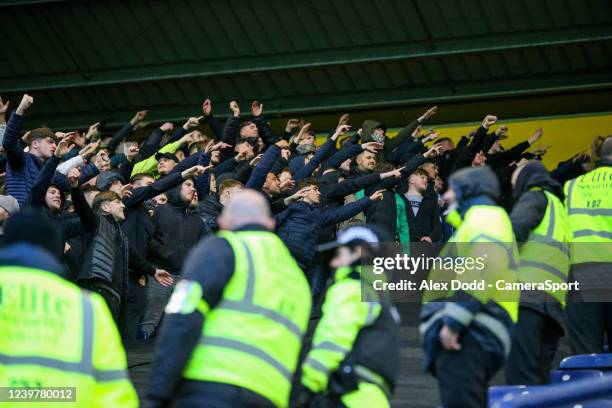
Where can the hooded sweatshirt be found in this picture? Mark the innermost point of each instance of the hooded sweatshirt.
(177, 230)
(390, 144)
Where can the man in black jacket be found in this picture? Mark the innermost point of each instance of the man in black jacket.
(211, 208)
(107, 258)
(454, 158)
(139, 227)
(177, 230)
(422, 211)
(384, 212)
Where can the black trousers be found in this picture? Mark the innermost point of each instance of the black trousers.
(218, 395)
(587, 322)
(534, 345)
(134, 310)
(463, 375)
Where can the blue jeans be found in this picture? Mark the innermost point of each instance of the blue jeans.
(157, 297)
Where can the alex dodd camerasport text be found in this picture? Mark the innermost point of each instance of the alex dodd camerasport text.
(405, 284)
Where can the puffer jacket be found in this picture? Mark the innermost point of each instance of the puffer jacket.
(300, 224)
(107, 257)
(209, 210)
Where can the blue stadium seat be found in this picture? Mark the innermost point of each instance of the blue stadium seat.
(563, 376)
(501, 392)
(597, 403)
(590, 392)
(601, 361)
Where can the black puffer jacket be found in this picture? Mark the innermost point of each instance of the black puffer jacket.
(300, 224)
(209, 210)
(107, 257)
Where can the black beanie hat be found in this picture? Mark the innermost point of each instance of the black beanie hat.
(34, 227)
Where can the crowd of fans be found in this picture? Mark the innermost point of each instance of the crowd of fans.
(130, 211)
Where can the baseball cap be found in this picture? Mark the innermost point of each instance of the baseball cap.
(105, 179)
(169, 156)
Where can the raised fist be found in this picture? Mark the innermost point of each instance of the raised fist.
(25, 104)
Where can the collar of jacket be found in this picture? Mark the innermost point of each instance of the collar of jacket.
(110, 218)
(303, 204)
(361, 172)
(465, 205)
(345, 272)
(454, 219)
(31, 256)
(251, 227)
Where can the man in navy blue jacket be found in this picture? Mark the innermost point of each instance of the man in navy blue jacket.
(23, 167)
(300, 224)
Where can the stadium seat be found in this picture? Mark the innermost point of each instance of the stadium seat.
(502, 392)
(601, 361)
(563, 376)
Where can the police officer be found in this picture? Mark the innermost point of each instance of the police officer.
(53, 333)
(466, 333)
(234, 324)
(589, 207)
(541, 227)
(354, 358)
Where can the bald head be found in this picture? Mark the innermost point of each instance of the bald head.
(246, 207)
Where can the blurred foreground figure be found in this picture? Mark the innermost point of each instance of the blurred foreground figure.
(234, 324)
(354, 359)
(466, 334)
(541, 227)
(55, 334)
(589, 208)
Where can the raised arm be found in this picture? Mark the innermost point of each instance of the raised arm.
(191, 123)
(352, 185)
(151, 145)
(350, 150)
(125, 131)
(318, 157)
(89, 220)
(3, 110)
(336, 215)
(258, 176)
(230, 130)
(210, 120)
(11, 143)
(392, 144)
(265, 132)
(45, 176)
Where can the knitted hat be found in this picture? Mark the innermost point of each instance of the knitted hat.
(10, 204)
